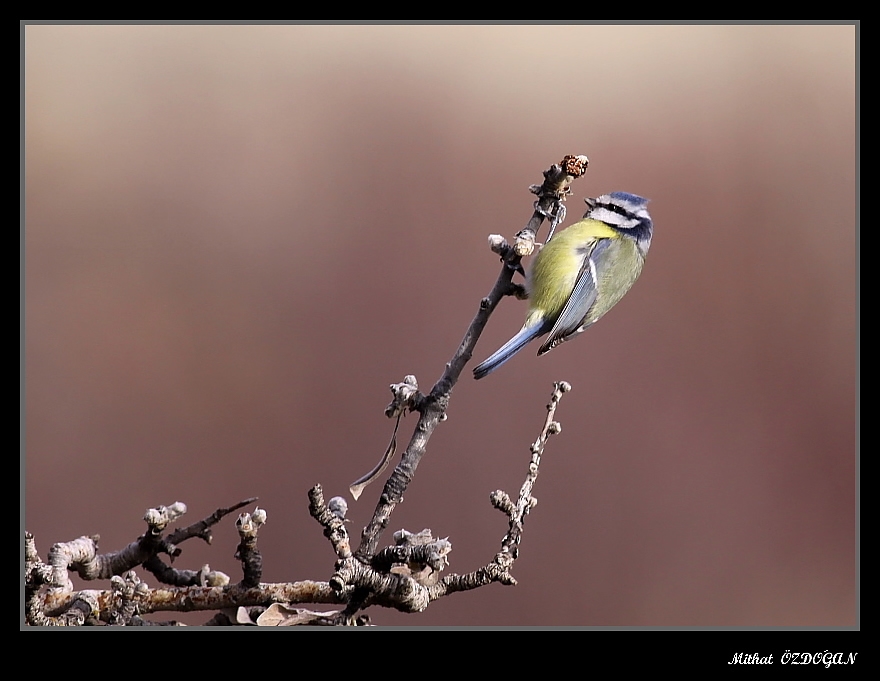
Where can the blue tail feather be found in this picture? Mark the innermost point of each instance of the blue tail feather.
(509, 349)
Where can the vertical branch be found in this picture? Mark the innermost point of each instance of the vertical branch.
(525, 502)
(516, 511)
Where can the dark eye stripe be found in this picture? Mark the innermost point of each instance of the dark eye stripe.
(620, 210)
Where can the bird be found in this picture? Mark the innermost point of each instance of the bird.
(581, 273)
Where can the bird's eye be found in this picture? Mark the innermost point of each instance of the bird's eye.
(616, 208)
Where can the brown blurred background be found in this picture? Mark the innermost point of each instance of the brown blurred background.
(238, 236)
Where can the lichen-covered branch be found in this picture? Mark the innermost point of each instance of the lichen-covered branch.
(191, 599)
(248, 525)
(60, 605)
(201, 528)
(332, 519)
(407, 576)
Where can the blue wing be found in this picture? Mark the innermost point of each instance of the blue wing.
(583, 296)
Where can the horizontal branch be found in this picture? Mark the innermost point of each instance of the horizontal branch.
(196, 598)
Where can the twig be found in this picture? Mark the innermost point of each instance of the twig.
(499, 569)
(248, 525)
(201, 528)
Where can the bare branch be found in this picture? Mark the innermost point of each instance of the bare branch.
(201, 528)
(499, 569)
(333, 522)
(248, 525)
(189, 599)
(432, 409)
(406, 576)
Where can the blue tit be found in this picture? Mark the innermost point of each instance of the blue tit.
(581, 273)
